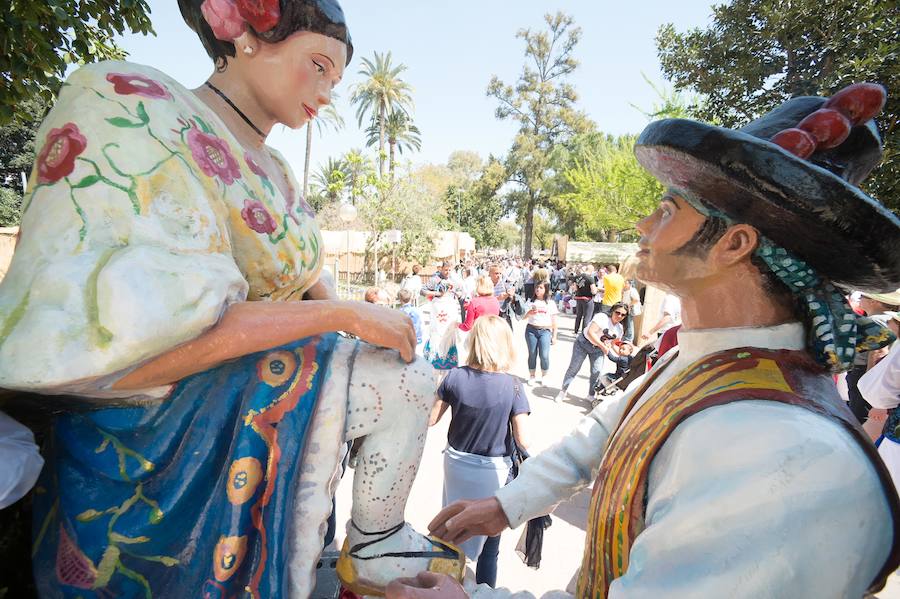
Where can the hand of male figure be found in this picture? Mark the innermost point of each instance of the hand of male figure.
(426, 585)
(466, 518)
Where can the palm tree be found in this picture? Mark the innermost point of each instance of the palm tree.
(331, 179)
(400, 133)
(327, 117)
(380, 94)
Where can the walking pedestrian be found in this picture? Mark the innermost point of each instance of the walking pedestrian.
(540, 332)
(585, 286)
(488, 408)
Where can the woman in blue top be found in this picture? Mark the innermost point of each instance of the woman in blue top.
(484, 400)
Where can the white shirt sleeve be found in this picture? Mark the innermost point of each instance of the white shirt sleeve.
(880, 386)
(756, 499)
(562, 470)
(22, 462)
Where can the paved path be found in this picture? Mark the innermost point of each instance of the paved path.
(564, 540)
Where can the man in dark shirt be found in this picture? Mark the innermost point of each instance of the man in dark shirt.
(585, 286)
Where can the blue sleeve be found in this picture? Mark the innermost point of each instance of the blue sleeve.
(447, 389)
(520, 401)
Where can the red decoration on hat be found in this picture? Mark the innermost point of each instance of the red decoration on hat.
(829, 126)
(262, 15)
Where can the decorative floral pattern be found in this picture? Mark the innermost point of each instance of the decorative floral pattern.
(223, 18)
(57, 158)
(131, 83)
(244, 476)
(257, 217)
(213, 156)
(255, 168)
(229, 554)
(261, 14)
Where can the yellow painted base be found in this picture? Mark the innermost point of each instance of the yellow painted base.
(346, 571)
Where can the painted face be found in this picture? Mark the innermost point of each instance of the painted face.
(293, 79)
(673, 224)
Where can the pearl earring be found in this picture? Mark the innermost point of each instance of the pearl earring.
(248, 50)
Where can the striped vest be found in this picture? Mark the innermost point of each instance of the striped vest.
(616, 513)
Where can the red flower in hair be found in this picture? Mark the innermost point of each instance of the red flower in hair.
(223, 18)
(57, 158)
(127, 84)
(262, 15)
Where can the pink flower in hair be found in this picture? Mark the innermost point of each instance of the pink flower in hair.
(224, 19)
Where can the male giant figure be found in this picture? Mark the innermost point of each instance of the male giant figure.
(733, 469)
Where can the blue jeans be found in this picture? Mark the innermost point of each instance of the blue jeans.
(538, 342)
(486, 570)
(581, 349)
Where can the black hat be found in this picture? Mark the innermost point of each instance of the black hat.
(810, 207)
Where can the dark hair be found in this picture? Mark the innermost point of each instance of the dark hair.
(319, 16)
(618, 305)
(706, 236)
(711, 231)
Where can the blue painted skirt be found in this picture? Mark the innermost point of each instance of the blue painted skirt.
(188, 498)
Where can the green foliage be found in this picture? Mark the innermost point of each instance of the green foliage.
(403, 204)
(17, 156)
(542, 102)
(42, 38)
(606, 191)
(10, 207)
(400, 132)
(757, 53)
(379, 95)
(328, 118)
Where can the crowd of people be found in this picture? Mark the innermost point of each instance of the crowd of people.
(472, 343)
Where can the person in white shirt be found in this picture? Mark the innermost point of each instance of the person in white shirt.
(540, 332)
(733, 469)
(880, 387)
(599, 341)
(669, 316)
(632, 299)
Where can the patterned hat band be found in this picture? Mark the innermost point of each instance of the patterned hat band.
(835, 332)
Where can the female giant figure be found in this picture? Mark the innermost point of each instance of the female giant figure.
(164, 250)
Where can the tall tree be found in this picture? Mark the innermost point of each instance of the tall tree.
(379, 95)
(606, 191)
(41, 39)
(328, 118)
(400, 132)
(542, 103)
(757, 53)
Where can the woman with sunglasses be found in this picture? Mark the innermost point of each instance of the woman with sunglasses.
(601, 339)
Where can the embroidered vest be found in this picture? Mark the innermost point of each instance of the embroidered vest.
(616, 513)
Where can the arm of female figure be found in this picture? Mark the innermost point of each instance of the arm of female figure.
(437, 411)
(249, 327)
(553, 330)
(520, 430)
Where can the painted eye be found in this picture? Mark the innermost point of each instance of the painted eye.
(319, 68)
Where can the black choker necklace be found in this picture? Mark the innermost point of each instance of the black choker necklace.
(236, 109)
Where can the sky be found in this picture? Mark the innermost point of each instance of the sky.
(451, 50)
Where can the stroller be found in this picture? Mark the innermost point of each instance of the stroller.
(639, 364)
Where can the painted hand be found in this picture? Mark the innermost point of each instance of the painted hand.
(385, 327)
(426, 585)
(464, 519)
